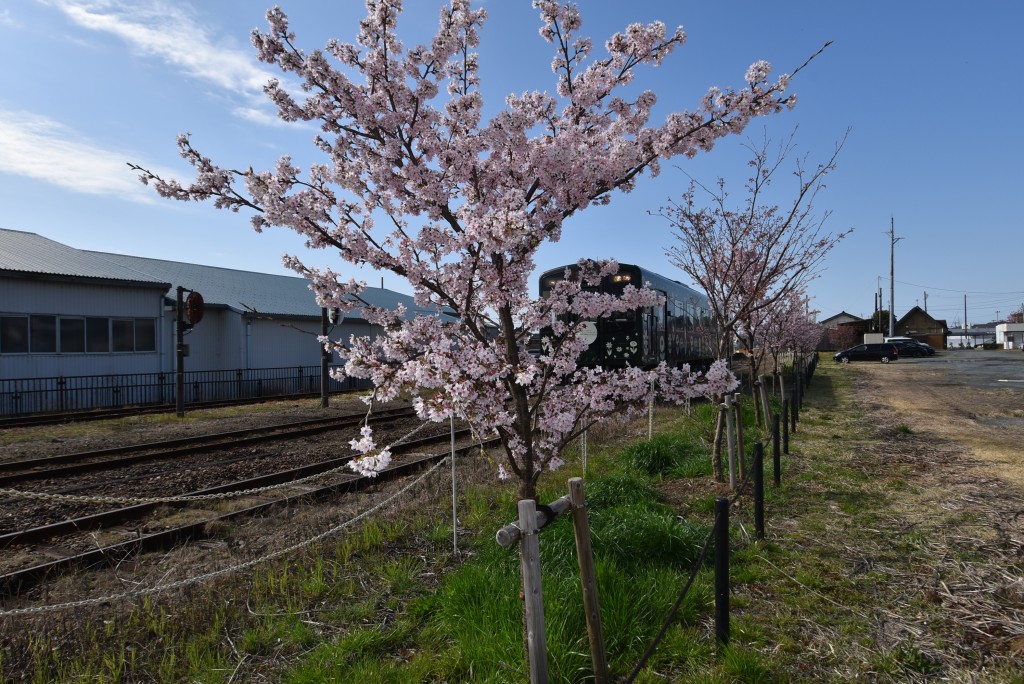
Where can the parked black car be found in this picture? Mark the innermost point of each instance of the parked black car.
(882, 351)
(913, 348)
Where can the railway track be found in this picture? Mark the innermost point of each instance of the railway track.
(62, 465)
(17, 581)
(42, 419)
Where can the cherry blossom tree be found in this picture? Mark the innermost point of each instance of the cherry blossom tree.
(750, 257)
(415, 182)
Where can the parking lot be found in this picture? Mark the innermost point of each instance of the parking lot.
(972, 398)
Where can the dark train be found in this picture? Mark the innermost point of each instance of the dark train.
(679, 331)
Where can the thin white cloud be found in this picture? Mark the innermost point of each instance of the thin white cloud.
(168, 32)
(41, 148)
(263, 117)
(7, 19)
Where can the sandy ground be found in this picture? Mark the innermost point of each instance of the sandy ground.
(971, 398)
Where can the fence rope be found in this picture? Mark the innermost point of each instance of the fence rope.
(132, 500)
(188, 581)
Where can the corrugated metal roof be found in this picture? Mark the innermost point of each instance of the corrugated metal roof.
(24, 252)
(263, 293)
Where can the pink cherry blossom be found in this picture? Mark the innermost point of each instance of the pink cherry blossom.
(413, 180)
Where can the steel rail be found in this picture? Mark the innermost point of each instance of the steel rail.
(16, 582)
(135, 511)
(70, 464)
(85, 415)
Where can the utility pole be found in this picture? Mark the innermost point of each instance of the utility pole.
(892, 276)
(179, 353)
(965, 317)
(878, 316)
(926, 302)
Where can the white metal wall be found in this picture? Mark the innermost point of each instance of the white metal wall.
(282, 343)
(79, 299)
(217, 342)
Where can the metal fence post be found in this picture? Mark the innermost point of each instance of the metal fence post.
(785, 426)
(722, 570)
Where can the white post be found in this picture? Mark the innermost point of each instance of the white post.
(650, 414)
(764, 401)
(455, 515)
(584, 453)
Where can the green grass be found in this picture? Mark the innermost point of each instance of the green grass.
(389, 602)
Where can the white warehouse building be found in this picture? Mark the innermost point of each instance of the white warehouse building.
(67, 313)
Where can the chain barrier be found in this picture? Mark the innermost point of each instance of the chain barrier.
(188, 581)
(219, 496)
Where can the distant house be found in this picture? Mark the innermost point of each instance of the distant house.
(839, 319)
(917, 324)
(841, 331)
(68, 312)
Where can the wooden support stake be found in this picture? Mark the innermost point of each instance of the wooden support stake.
(765, 408)
(776, 459)
(785, 426)
(741, 446)
(588, 578)
(510, 534)
(794, 408)
(533, 595)
(758, 490)
(730, 441)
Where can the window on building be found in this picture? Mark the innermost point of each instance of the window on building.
(72, 335)
(43, 334)
(97, 335)
(47, 334)
(123, 338)
(145, 335)
(13, 334)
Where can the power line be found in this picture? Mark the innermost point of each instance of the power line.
(1018, 293)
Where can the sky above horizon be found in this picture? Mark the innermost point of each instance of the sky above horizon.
(926, 90)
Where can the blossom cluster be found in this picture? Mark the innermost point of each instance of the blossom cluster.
(415, 182)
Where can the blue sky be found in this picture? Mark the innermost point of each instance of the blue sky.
(930, 91)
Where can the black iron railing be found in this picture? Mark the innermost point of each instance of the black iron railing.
(23, 396)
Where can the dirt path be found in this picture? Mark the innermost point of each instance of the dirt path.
(943, 443)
